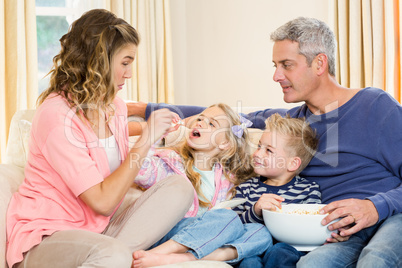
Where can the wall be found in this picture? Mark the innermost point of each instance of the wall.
(222, 51)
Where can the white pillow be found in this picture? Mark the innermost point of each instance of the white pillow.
(24, 129)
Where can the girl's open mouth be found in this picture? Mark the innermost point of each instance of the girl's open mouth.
(195, 133)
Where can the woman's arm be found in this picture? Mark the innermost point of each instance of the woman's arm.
(104, 197)
(135, 128)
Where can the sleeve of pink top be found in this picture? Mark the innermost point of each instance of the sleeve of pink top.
(67, 152)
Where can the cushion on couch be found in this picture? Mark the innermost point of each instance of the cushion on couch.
(16, 152)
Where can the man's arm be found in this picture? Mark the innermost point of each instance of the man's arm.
(366, 213)
(184, 111)
(258, 118)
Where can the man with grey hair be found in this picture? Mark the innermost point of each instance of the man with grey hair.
(358, 164)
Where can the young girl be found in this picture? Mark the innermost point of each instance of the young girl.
(214, 158)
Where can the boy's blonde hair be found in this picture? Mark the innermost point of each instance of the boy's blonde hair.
(301, 139)
(236, 162)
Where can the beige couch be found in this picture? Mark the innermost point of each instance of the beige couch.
(12, 174)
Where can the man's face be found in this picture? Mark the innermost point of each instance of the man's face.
(297, 79)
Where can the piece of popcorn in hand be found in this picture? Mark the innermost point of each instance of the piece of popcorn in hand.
(177, 123)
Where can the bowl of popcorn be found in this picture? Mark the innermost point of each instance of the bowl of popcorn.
(298, 225)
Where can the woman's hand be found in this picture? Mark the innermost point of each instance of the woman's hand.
(160, 123)
(269, 202)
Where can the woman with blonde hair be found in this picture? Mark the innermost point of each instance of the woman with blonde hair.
(80, 167)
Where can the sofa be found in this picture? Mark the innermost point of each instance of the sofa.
(12, 174)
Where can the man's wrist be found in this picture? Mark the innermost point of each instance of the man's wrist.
(136, 108)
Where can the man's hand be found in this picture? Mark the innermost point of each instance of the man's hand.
(361, 213)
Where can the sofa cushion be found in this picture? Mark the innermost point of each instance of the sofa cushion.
(17, 150)
(24, 127)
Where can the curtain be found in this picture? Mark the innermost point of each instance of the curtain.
(152, 79)
(18, 62)
(369, 46)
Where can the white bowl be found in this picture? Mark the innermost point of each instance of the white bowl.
(304, 232)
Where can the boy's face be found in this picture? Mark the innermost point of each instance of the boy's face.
(270, 159)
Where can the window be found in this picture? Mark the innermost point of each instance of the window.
(53, 18)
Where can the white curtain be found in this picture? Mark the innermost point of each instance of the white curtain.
(18, 62)
(152, 79)
(369, 45)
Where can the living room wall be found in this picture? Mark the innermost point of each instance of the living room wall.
(222, 51)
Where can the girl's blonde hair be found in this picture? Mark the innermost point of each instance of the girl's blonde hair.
(301, 139)
(235, 161)
(82, 71)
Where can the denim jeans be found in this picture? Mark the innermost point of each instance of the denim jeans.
(220, 228)
(385, 247)
(376, 246)
(280, 255)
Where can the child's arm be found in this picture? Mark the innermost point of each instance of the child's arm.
(153, 169)
(251, 210)
(268, 202)
(245, 210)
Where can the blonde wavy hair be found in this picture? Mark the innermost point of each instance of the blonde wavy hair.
(82, 71)
(302, 140)
(236, 162)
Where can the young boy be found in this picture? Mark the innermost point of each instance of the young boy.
(285, 148)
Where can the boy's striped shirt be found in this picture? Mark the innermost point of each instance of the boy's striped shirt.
(298, 190)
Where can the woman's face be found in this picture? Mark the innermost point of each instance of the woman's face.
(122, 65)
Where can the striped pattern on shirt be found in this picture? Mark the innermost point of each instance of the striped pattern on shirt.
(298, 190)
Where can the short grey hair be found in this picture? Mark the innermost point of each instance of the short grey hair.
(314, 37)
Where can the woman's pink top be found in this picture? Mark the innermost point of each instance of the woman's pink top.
(65, 159)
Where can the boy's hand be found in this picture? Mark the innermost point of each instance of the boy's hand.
(336, 237)
(268, 202)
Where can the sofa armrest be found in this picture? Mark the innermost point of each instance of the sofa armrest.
(11, 177)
